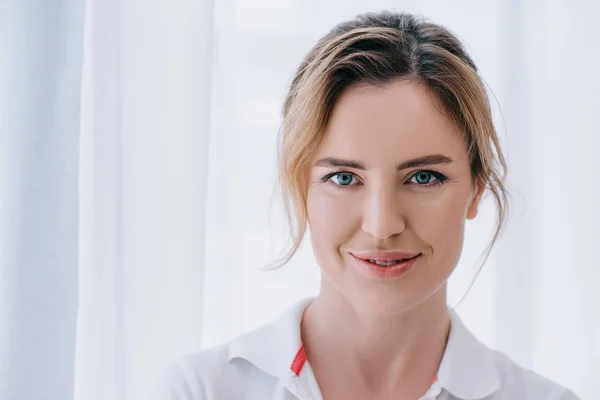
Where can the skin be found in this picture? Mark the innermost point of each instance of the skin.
(384, 338)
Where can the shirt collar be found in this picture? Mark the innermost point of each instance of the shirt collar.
(467, 371)
(273, 347)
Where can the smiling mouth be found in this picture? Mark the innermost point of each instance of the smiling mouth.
(390, 263)
(380, 268)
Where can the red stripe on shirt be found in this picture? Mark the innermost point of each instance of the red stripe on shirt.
(299, 361)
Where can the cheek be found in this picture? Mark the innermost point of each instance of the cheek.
(440, 223)
(330, 219)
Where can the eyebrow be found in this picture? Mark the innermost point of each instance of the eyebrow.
(433, 159)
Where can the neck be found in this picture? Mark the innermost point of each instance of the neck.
(379, 352)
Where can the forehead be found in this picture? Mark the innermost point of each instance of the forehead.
(400, 119)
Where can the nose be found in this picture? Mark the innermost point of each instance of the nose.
(382, 215)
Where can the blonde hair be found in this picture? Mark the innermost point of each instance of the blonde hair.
(375, 49)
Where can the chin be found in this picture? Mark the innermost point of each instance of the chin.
(386, 300)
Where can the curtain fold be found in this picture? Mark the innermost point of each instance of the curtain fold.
(144, 141)
(40, 77)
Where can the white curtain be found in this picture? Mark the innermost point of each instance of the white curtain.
(144, 147)
(40, 78)
(180, 108)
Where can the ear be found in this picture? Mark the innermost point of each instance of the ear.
(478, 190)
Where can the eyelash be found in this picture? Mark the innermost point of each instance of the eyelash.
(440, 179)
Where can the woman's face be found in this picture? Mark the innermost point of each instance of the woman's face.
(390, 181)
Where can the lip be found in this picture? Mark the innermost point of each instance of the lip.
(380, 255)
(375, 271)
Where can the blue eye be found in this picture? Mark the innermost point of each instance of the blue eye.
(422, 178)
(346, 180)
(343, 179)
(427, 178)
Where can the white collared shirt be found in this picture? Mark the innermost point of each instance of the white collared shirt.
(269, 364)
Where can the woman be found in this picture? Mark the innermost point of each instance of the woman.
(387, 148)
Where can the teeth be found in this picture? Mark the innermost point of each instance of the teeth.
(385, 263)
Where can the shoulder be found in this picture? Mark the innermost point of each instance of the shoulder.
(519, 382)
(254, 365)
(212, 374)
(470, 369)
(187, 377)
